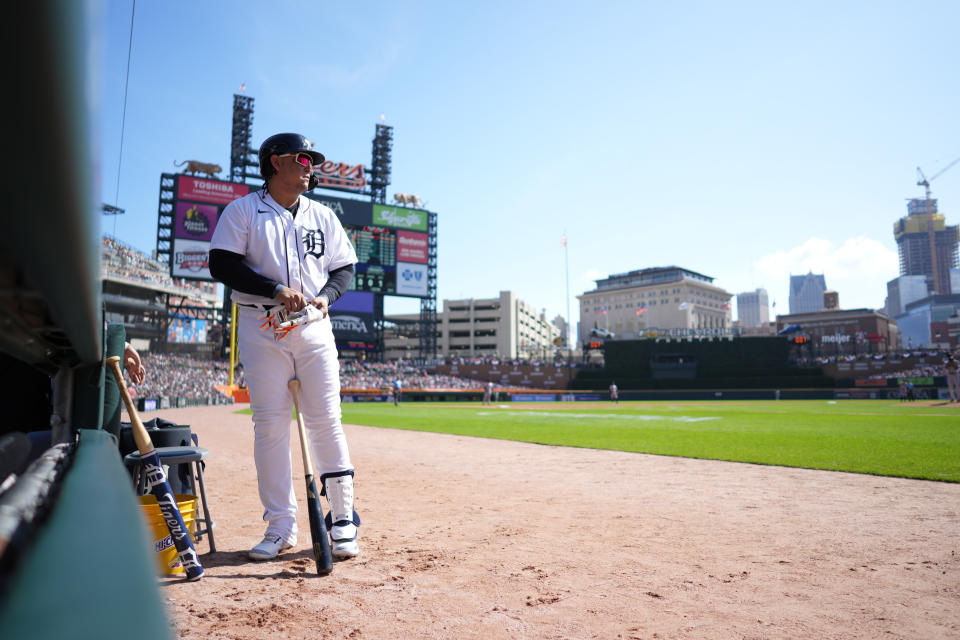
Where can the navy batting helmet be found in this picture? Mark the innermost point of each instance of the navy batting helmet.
(282, 143)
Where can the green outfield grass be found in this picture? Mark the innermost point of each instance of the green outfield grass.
(863, 436)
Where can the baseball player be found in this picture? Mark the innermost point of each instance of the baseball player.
(952, 367)
(488, 393)
(397, 390)
(614, 397)
(287, 259)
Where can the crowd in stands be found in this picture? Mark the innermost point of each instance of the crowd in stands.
(929, 355)
(360, 374)
(920, 370)
(893, 355)
(122, 261)
(511, 362)
(174, 376)
(923, 363)
(194, 379)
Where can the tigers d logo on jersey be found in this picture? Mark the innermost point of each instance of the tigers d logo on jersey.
(313, 242)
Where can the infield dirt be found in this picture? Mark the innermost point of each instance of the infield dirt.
(472, 538)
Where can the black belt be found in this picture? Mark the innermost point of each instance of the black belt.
(265, 307)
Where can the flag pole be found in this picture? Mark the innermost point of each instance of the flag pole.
(566, 265)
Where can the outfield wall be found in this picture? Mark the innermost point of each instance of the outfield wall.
(700, 364)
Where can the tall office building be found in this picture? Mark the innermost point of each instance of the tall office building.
(753, 308)
(913, 242)
(902, 291)
(806, 293)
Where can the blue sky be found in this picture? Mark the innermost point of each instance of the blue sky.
(744, 140)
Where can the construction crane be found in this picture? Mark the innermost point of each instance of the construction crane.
(923, 181)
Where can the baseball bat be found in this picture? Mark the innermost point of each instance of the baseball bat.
(157, 482)
(318, 529)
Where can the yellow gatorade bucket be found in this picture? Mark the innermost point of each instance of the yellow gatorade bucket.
(164, 551)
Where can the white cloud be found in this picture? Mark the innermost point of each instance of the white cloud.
(860, 256)
(591, 274)
(858, 269)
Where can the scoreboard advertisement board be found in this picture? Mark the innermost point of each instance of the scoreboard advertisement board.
(392, 243)
(352, 316)
(197, 206)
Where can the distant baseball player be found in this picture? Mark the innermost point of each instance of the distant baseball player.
(952, 367)
(287, 258)
(488, 393)
(613, 393)
(397, 390)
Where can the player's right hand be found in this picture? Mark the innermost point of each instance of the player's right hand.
(134, 365)
(291, 300)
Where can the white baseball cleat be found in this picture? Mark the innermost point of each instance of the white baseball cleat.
(345, 549)
(269, 548)
(343, 540)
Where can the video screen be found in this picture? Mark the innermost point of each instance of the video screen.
(376, 249)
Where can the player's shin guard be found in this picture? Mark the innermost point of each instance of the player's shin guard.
(342, 520)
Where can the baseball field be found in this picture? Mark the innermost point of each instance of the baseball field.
(555, 521)
(882, 437)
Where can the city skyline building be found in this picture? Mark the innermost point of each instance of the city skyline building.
(842, 331)
(806, 293)
(902, 291)
(504, 326)
(912, 234)
(655, 300)
(917, 323)
(753, 308)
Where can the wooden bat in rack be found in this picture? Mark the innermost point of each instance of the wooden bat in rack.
(157, 481)
(318, 529)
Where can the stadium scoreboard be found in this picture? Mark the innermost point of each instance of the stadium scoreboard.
(376, 249)
(393, 244)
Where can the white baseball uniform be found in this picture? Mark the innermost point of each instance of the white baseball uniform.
(298, 253)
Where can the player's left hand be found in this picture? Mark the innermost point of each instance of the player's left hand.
(321, 303)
